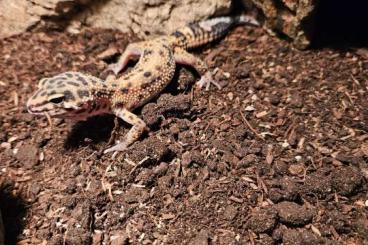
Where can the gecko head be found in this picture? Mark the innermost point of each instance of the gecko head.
(66, 95)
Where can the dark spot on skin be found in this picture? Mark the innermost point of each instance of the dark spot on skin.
(140, 70)
(52, 92)
(43, 93)
(130, 117)
(161, 53)
(36, 94)
(193, 28)
(145, 85)
(129, 84)
(82, 80)
(73, 83)
(119, 104)
(52, 81)
(93, 107)
(114, 85)
(167, 48)
(124, 90)
(158, 68)
(59, 82)
(95, 81)
(147, 74)
(68, 95)
(200, 32)
(44, 82)
(147, 52)
(177, 34)
(140, 97)
(61, 85)
(100, 94)
(83, 93)
(68, 74)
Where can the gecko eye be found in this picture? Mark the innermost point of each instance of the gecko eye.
(57, 100)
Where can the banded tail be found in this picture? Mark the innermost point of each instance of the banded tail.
(203, 32)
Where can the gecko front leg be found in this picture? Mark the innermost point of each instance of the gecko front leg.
(132, 52)
(139, 126)
(183, 57)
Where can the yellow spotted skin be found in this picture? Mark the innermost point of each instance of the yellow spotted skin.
(77, 96)
(154, 70)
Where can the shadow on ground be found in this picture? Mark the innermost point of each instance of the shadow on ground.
(13, 210)
(95, 129)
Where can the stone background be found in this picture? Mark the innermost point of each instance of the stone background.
(149, 17)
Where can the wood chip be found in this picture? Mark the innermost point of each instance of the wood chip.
(315, 230)
(108, 53)
(167, 216)
(269, 156)
(235, 199)
(261, 114)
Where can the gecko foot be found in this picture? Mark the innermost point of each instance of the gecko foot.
(115, 68)
(116, 149)
(206, 80)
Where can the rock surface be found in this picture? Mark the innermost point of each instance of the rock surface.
(145, 17)
(149, 17)
(142, 17)
(22, 15)
(291, 17)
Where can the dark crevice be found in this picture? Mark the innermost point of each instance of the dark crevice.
(341, 24)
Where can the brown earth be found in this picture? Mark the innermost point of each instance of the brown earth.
(278, 155)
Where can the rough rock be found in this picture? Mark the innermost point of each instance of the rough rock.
(150, 17)
(293, 18)
(142, 17)
(22, 15)
(146, 17)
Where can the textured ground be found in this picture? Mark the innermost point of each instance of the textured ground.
(278, 156)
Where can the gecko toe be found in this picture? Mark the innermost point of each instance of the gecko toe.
(206, 80)
(114, 68)
(116, 148)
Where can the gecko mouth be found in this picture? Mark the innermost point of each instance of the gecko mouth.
(34, 111)
(31, 110)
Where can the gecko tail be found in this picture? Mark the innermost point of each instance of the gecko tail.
(199, 33)
(246, 19)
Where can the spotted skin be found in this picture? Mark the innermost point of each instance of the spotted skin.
(77, 96)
